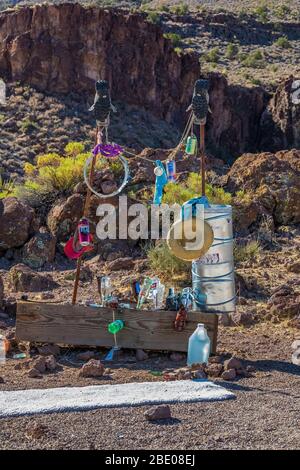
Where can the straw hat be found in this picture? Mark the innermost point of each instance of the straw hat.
(179, 246)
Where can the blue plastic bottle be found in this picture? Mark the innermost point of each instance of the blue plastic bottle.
(199, 346)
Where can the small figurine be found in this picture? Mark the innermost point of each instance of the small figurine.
(200, 102)
(102, 103)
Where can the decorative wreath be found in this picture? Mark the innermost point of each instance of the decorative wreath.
(107, 151)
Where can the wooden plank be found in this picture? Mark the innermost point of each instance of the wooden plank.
(82, 325)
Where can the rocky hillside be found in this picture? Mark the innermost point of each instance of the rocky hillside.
(52, 49)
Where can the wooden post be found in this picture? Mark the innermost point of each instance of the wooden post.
(202, 156)
(98, 139)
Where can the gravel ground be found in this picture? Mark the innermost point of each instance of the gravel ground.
(265, 414)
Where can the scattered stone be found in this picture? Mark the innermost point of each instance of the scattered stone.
(1, 380)
(63, 218)
(49, 350)
(158, 412)
(51, 363)
(16, 222)
(296, 344)
(294, 267)
(34, 374)
(23, 279)
(121, 263)
(250, 369)
(296, 357)
(39, 250)
(141, 355)
(40, 364)
(215, 360)
(187, 375)
(229, 374)
(86, 355)
(214, 370)
(200, 374)
(93, 368)
(107, 371)
(35, 430)
(243, 318)
(233, 363)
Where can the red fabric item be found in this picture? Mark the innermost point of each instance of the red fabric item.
(71, 253)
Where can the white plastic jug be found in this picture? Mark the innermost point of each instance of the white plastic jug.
(199, 346)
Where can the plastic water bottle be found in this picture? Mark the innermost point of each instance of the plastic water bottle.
(115, 326)
(199, 346)
(191, 145)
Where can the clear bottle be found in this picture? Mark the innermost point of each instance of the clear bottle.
(106, 289)
(2, 349)
(199, 346)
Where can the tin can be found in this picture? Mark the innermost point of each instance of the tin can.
(171, 170)
(191, 145)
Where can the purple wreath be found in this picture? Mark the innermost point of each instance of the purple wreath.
(108, 150)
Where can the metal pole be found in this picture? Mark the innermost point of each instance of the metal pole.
(98, 139)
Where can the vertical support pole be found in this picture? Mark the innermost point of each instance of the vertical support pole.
(98, 139)
(202, 157)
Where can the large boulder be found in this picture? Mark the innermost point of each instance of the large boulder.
(24, 279)
(63, 218)
(272, 180)
(39, 250)
(16, 223)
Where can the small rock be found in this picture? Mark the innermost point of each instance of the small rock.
(250, 369)
(107, 371)
(215, 360)
(200, 374)
(49, 350)
(229, 374)
(1, 380)
(93, 368)
(141, 355)
(35, 430)
(34, 373)
(121, 263)
(85, 356)
(169, 376)
(177, 357)
(40, 364)
(296, 357)
(233, 363)
(51, 363)
(158, 412)
(187, 375)
(214, 370)
(243, 318)
(294, 267)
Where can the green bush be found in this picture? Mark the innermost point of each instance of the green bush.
(174, 38)
(181, 192)
(28, 126)
(7, 188)
(246, 252)
(282, 11)
(212, 55)
(165, 264)
(181, 9)
(232, 51)
(153, 17)
(72, 149)
(262, 12)
(283, 42)
(255, 60)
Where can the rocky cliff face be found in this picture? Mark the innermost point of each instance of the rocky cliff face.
(66, 48)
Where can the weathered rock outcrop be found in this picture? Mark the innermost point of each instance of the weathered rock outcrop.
(280, 122)
(16, 223)
(65, 48)
(273, 180)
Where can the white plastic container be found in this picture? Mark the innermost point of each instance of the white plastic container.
(213, 275)
(199, 346)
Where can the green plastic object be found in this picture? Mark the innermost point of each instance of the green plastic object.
(191, 145)
(115, 326)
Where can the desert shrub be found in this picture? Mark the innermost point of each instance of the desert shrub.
(243, 196)
(165, 264)
(255, 60)
(72, 149)
(28, 126)
(7, 188)
(174, 38)
(153, 17)
(178, 50)
(283, 42)
(48, 159)
(212, 55)
(182, 192)
(282, 11)
(232, 51)
(246, 252)
(262, 12)
(181, 9)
